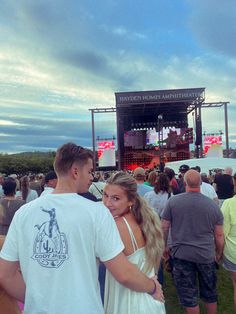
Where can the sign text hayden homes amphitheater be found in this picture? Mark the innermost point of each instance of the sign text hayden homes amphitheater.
(160, 96)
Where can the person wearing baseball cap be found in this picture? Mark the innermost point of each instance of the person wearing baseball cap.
(50, 182)
(140, 176)
(182, 170)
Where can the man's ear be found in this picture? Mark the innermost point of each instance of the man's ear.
(74, 171)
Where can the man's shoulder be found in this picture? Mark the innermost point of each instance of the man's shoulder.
(189, 196)
(33, 192)
(150, 193)
(206, 202)
(223, 178)
(63, 202)
(97, 209)
(179, 196)
(145, 187)
(207, 186)
(230, 202)
(194, 200)
(228, 178)
(47, 190)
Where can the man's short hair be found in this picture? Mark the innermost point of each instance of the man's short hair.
(192, 178)
(197, 168)
(139, 173)
(68, 154)
(51, 175)
(183, 168)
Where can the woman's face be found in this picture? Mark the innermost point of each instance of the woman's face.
(116, 200)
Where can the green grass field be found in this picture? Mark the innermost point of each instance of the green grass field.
(225, 295)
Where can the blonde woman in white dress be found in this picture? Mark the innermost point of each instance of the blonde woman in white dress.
(141, 234)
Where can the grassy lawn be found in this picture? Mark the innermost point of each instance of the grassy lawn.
(225, 295)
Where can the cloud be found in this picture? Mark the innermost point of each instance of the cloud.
(50, 133)
(58, 59)
(213, 23)
(8, 123)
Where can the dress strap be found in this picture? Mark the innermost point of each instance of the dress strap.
(133, 240)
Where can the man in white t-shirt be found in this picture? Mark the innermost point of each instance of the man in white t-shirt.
(209, 191)
(56, 240)
(50, 182)
(96, 188)
(206, 188)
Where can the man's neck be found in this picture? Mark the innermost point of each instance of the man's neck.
(65, 186)
(10, 197)
(139, 181)
(193, 190)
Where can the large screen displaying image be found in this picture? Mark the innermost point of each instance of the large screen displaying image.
(135, 139)
(209, 141)
(169, 137)
(106, 154)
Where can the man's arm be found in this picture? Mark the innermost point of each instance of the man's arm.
(165, 225)
(11, 279)
(131, 277)
(214, 186)
(219, 241)
(214, 195)
(216, 200)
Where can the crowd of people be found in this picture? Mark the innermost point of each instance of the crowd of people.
(64, 230)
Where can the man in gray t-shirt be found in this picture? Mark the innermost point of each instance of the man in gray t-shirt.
(197, 241)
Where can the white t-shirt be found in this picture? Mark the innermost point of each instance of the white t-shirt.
(96, 188)
(1, 191)
(32, 195)
(208, 190)
(157, 200)
(47, 190)
(57, 239)
(142, 189)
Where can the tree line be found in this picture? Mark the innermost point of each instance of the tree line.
(25, 163)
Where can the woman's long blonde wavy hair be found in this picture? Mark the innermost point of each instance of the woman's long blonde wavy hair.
(145, 216)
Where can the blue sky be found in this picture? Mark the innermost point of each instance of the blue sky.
(60, 58)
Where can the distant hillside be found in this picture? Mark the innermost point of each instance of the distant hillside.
(34, 154)
(27, 162)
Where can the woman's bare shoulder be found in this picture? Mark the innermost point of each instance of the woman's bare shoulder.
(125, 235)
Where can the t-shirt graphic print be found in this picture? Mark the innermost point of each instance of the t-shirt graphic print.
(50, 246)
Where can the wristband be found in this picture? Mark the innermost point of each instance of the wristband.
(154, 290)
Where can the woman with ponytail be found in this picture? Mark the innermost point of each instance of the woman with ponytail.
(141, 233)
(25, 192)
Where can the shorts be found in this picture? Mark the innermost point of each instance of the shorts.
(228, 265)
(185, 276)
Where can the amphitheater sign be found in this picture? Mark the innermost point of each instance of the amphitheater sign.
(160, 96)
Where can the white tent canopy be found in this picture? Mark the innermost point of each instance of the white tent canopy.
(205, 164)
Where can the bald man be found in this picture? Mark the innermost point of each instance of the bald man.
(197, 242)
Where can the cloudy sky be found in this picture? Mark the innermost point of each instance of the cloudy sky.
(60, 58)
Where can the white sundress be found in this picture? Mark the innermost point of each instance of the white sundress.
(121, 300)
